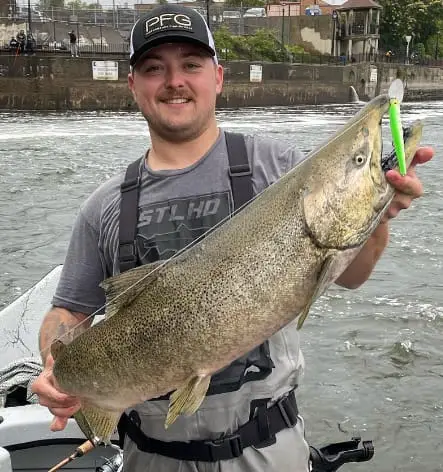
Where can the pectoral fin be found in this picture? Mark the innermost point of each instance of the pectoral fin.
(187, 399)
(324, 279)
(57, 347)
(97, 424)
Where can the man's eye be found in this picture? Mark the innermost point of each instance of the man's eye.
(192, 65)
(152, 69)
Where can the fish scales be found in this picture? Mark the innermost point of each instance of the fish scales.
(235, 288)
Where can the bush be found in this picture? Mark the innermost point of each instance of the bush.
(262, 45)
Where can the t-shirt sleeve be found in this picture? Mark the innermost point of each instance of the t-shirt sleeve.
(292, 156)
(78, 288)
(271, 159)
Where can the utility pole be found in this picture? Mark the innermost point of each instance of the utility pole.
(408, 40)
(29, 17)
(283, 31)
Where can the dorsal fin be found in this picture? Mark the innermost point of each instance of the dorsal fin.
(122, 289)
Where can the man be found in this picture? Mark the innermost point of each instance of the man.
(73, 44)
(21, 39)
(30, 43)
(14, 45)
(175, 79)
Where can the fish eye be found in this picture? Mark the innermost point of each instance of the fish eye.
(359, 159)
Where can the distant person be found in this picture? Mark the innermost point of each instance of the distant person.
(30, 44)
(389, 54)
(73, 44)
(21, 39)
(14, 45)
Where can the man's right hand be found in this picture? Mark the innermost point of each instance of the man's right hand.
(61, 405)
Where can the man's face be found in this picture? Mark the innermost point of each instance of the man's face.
(175, 87)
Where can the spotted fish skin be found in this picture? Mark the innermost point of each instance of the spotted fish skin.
(170, 326)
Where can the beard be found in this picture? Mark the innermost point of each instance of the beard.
(171, 131)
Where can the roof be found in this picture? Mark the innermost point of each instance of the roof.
(359, 4)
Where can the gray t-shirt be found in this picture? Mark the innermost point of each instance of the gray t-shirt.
(175, 207)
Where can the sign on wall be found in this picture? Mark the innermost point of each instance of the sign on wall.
(105, 70)
(373, 76)
(255, 73)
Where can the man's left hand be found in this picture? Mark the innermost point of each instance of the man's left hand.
(407, 187)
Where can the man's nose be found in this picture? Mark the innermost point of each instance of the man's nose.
(174, 77)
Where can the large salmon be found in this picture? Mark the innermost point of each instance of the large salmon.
(171, 325)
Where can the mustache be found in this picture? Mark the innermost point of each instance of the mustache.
(175, 94)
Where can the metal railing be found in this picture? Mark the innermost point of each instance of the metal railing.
(63, 48)
(121, 51)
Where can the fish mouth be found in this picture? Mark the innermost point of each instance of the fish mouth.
(347, 222)
(389, 161)
(411, 136)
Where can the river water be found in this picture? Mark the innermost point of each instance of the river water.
(374, 355)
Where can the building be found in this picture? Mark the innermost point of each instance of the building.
(8, 9)
(356, 28)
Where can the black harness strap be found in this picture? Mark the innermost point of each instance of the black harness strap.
(240, 175)
(281, 415)
(265, 422)
(129, 189)
(240, 171)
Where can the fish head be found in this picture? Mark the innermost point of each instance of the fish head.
(347, 192)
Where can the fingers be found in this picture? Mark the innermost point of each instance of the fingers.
(45, 387)
(423, 155)
(407, 187)
(409, 184)
(58, 424)
(60, 404)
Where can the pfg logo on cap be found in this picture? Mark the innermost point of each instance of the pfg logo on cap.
(167, 21)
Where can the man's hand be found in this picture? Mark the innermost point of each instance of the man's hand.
(407, 187)
(61, 405)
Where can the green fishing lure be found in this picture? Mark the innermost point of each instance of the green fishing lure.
(395, 94)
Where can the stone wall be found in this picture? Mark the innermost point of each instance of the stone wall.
(64, 83)
(422, 83)
(60, 83)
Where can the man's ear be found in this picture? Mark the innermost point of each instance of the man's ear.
(219, 79)
(131, 82)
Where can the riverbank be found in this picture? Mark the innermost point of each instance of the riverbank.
(65, 83)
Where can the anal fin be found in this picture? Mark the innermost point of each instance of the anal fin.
(187, 399)
(97, 424)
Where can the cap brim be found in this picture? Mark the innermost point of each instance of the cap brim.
(168, 38)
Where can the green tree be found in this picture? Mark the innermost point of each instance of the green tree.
(76, 5)
(47, 4)
(419, 18)
(245, 3)
(261, 46)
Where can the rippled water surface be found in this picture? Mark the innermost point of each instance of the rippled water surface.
(374, 356)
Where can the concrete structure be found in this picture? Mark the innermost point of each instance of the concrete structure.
(356, 28)
(62, 83)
